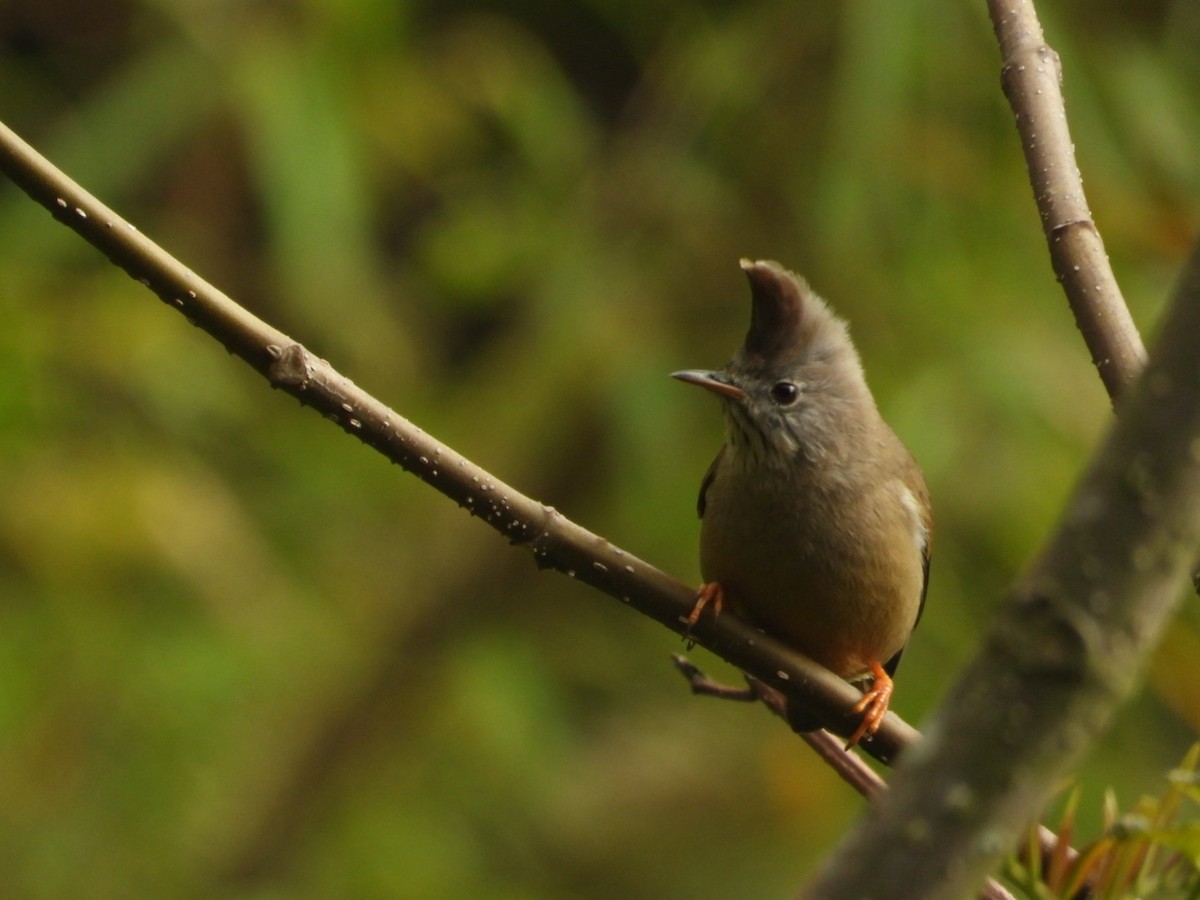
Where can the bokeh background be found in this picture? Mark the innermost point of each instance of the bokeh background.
(241, 656)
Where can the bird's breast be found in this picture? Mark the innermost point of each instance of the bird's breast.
(834, 568)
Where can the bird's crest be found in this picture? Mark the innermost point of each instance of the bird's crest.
(789, 323)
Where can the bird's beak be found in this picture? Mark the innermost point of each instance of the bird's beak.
(717, 382)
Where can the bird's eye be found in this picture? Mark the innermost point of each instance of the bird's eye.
(785, 393)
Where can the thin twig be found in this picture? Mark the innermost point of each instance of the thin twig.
(849, 767)
(704, 686)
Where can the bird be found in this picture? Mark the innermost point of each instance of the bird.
(816, 525)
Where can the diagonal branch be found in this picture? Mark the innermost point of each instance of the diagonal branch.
(555, 541)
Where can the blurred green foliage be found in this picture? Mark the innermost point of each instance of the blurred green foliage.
(241, 657)
(1149, 850)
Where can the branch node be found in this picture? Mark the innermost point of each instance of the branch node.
(290, 367)
(1059, 228)
(538, 540)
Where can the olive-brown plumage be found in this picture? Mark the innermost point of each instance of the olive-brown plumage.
(815, 523)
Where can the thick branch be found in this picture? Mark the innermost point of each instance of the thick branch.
(1032, 79)
(555, 541)
(1067, 647)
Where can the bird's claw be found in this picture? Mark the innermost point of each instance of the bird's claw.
(710, 594)
(873, 706)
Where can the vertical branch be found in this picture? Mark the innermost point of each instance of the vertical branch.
(1031, 76)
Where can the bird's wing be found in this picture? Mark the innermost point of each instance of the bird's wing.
(708, 480)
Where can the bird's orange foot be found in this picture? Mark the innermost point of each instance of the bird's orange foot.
(710, 594)
(873, 705)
